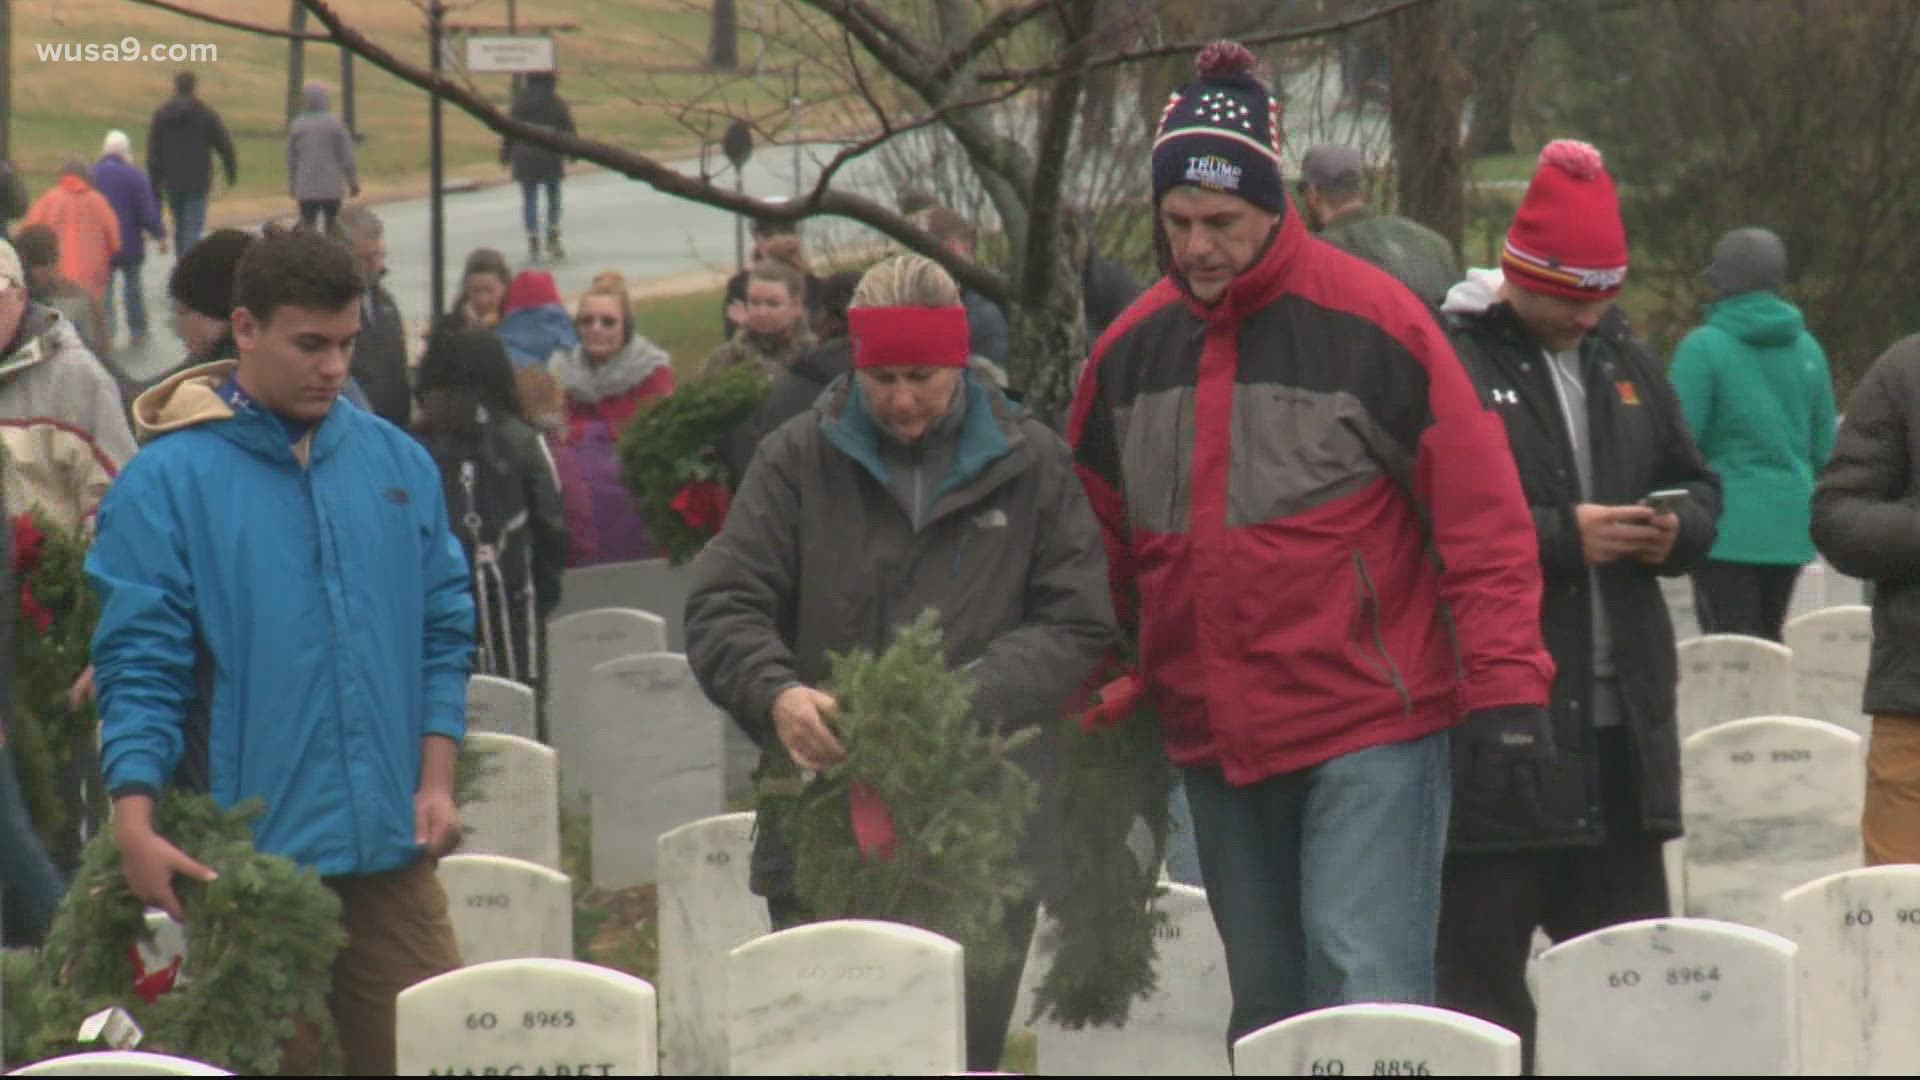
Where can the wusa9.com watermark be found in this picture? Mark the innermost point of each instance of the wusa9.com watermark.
(126, 50)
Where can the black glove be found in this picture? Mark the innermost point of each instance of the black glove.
(1500, 757)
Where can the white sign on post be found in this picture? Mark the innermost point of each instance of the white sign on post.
(509, 55)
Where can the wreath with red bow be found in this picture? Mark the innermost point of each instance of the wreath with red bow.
(668, 460)
(53, 743)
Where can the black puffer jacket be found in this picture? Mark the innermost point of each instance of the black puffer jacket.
(181, 142)
(1640, 444)
(539, 104)
(1866, 519)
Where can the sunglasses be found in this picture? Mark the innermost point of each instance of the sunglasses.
(598, 320)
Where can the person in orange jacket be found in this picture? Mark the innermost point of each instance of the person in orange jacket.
(85, 223)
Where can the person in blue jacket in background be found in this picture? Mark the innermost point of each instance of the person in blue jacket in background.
(285, 614)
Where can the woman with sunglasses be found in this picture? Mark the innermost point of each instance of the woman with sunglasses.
(606, 377)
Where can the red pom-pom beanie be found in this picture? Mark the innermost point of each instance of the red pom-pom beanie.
(1221, 132)
(1567, 239)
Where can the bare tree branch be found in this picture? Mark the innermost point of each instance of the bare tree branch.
(232, 24)
(1001, 25)
(1056, 135)
(1186, 48)
(655, 174)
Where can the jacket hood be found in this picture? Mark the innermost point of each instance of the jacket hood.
(585, 381)
(989, 431)
(1758, 318)
(533, 335)
(316, 98)
(1480, 291)
(74, 185)
(36, 341)
(187, 397)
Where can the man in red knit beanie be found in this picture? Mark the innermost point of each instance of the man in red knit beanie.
(1619, 497)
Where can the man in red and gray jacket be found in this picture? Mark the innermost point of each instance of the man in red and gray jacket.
(1317, 538)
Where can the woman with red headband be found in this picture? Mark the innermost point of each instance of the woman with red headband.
(912, 483)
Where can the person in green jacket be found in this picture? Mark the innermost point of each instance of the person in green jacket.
(1333, 201)
(1757, 393)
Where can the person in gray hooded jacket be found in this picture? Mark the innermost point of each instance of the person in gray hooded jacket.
(320, 161)
(912, 484)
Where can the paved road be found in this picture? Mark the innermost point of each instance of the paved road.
(607, 221)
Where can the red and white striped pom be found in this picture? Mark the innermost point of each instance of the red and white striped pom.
(1577, 159)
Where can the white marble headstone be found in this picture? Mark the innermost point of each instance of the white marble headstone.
(706, 911)
(528, 1018)
(501, 706)
(517, 813)
(119, 1063)
(1768, 804)
(1667, 997)
(846, 996)
(1180, 1029)
(1831, 648)
(1379, 1040)
(1732, 677)
(1859, 991)
(656, 762)
(650, 585)
(576, 644)
(507, 909)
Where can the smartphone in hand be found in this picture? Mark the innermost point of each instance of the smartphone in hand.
(1667, 501)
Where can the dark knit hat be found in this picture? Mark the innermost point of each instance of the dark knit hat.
(203, 278)
(1748, 260)
(1567, 238)
(1221, 132)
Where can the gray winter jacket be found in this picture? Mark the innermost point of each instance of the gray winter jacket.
(61, 419)
(320, 157)
(818, 555)
(1866, 519)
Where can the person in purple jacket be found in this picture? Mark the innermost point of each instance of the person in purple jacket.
(130, 193)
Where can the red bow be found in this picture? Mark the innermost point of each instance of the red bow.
(31, 609)
(150, 985)
(27, 540)
(872, 821)
(703, 504)
(1114, 703)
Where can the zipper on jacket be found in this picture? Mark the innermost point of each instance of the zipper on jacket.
(1370, 611)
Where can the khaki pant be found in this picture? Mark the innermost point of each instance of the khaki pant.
(1890, 825)
(398, 934)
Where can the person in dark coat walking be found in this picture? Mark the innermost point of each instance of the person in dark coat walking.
(380, 355)
(1570, 842)
(182, 139)
(536, 167)
(130, 193)
(915, 463)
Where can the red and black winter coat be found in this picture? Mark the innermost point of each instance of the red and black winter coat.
(1281, 479)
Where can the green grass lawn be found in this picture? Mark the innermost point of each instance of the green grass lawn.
(619, 71)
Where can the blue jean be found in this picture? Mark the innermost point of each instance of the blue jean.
(129, 274)
(1183, 855)
(24, 866)
(530, 204)
(1325, 883)
(189, 219)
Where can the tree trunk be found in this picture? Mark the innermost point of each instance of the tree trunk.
(6, 78)
(1501, 39)
(1425, 96)
(1047, 332)
(723, 42)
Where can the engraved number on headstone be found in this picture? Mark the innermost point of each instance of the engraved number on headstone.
(489, 900)
(719, 858)
(1909, 916)
(1792, 755)
(1682, 976)
(1167, 933)
(1330, 1067)
(1618, 979)
(1401, 1067)
(1742, 757)
(851, 973)
(1863, 917)
(536, 1019)
(485, 1021)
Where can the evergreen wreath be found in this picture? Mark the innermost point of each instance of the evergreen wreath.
(53, 744)
(261, 942)
(667, 458)
(957, 804)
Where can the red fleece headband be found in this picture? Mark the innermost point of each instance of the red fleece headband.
(909, 336)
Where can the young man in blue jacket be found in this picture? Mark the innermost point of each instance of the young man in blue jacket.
(285, 614)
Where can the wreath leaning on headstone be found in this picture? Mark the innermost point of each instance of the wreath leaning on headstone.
(923, 820)
(261, 942)
(667, 457)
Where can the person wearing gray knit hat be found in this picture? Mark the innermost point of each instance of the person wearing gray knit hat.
(1748, 260)
(1757, 394)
